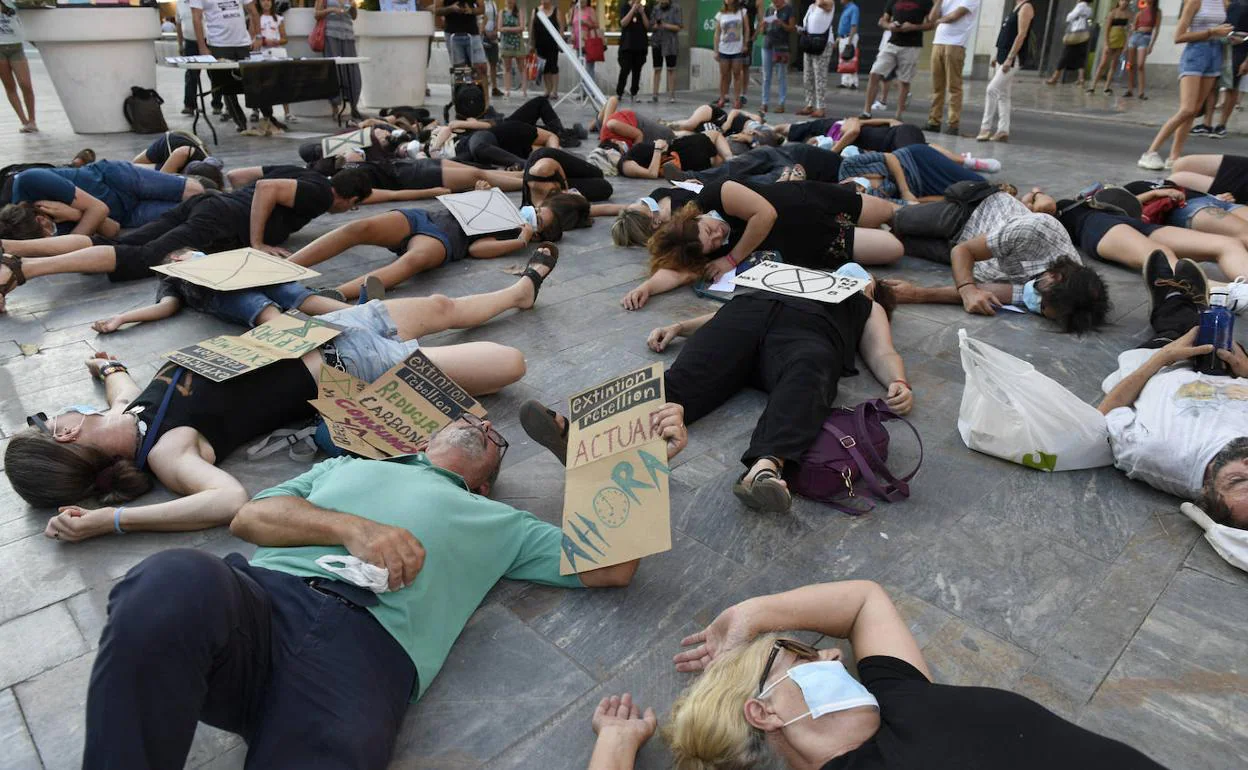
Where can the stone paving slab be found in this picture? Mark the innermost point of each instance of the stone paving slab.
(1083, 590)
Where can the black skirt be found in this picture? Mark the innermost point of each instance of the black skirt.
(1074, 57)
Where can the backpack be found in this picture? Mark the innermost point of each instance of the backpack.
(853, 446)
(142, 111)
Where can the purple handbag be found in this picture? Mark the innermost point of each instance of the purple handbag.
(852, 446)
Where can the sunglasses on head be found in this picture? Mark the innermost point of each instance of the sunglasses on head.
(494, 436)
(39, 420)
(802, 650)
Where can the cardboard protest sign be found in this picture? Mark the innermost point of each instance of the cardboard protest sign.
(481, 212)
(345, 144)
(236, 269)
(287, 336)
(396, 413)
(616, 504)
(806, 282)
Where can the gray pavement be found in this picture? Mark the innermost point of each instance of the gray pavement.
(1084, 590)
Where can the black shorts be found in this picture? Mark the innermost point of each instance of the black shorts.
(657, 58)
(1232, 177)
(904, 135)
(1091, 225)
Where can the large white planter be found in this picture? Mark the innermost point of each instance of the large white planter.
(94, 56)
(299, 24)
(396, 44)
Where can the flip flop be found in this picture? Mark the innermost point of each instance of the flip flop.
(540, 425)
(765, 493)
(16, 276)
(545, 254)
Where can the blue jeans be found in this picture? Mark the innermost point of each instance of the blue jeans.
(243, 306)
(770, 63)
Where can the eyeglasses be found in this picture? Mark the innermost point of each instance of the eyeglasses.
(39, 420)
(494, 436)
(802, 650)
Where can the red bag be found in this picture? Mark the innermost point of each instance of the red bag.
(316, 38)
(1155, 211)
(532, 71)
(848, 66)
(595, 49)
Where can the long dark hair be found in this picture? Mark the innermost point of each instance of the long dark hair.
(48, 473)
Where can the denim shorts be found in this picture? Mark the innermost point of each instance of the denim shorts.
(1182, 217)
(1201, 59)
(369, 344)
(1139, 40)
(465, 48)
(244, 305)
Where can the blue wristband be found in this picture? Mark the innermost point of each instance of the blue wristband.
(117, 520)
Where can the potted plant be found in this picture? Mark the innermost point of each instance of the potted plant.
(396, 44)
(94, 55)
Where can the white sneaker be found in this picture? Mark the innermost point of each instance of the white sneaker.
(878, 105)
(1169, 164)
(986, 165)
(1151, 161)
(1237, 295)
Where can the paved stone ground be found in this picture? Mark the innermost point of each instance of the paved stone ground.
(1084, 590)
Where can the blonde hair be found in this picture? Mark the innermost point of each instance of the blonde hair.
(707, 728)
(632, 228)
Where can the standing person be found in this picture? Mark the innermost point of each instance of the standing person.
(906, 20)
(732, 29)
(1140, 44)
(512, 44)
(1202, 26)
(188, 45)
(540, 40)
(1075, 46)
(1115, 41)
(847, 35)
(463, 39)
(1231, 81)
(817, 22)
(665, 24)
(632, 53)
(778, 25)
(14, 69)
(584, 24)
(221, 28)
(489, 41)
(273, 35)
(954, 23)
(1010, 41)
(339, 18)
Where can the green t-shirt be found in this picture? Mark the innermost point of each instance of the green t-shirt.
(470, 542)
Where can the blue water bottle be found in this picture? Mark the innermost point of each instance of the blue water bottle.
(1217, 328)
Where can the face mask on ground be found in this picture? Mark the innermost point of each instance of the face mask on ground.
(350, 569)
(826, 687)
(1031, 298)
(850, 152)
(651, 204)
(1229, 543)
(853, 270)
(824, 142)
(529, 215)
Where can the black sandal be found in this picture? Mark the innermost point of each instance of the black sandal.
(541, 426)
(766, 492)
(16, 277)
(545, 254)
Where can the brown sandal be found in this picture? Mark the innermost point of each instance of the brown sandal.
(16, 277)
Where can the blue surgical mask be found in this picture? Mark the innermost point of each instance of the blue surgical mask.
(81, 409)
(824, 142)
(714, 215)
(826, 687)
(850, 152)
(651, 204)
(1031, 298)
(861, 181)
(529, 215)
(853, 270)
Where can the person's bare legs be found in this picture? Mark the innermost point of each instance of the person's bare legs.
(95, 259)
(45, 247)
(725, 79)
(873, 85)
(388, 230)
(902, 97)
(948, 153)
(1192, 94)
(416, 317)
(318, 305)
(480, 368)
(876, 211)
(21, 71)
(738, 76)
(1129, 247)
(876, 247)
(10, 90)
(1212, 219)
(1229, 101)
(699, 116)
(1229, 253)
(608, 109)
(458, 177)
(424, 252)
(1205, 165)
(1190, 179)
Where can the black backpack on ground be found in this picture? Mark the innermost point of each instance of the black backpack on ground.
(142, 111)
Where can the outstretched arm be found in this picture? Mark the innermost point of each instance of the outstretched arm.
(387, 196)
(165, 308)
(884, 361)
(662, 280)
(1128, 390)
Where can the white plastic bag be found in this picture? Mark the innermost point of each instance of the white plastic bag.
(1010, 410)
(1229, 543)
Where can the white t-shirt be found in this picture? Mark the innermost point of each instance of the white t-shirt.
(271, 28)
(225, 22)
(731, 32)
(10, 26)
(956, 32)
(1180, 421)
(817, 21)
(185, 19)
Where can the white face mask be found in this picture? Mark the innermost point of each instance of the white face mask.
(651, 204)
(714, 215)
(826, 687)
(824, 142)
(1229, 543)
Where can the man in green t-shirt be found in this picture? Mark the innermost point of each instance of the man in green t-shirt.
(313, 671)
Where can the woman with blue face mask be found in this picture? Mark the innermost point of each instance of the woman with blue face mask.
(763, 698)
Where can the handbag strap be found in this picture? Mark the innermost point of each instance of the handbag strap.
(887, 415)
(893, 489)
(149, 438)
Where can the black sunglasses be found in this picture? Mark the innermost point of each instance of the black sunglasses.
(802, 650)
(494, 436)
(39, 420)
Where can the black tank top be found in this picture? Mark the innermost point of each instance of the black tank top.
(1009, 31)
(229, 414)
